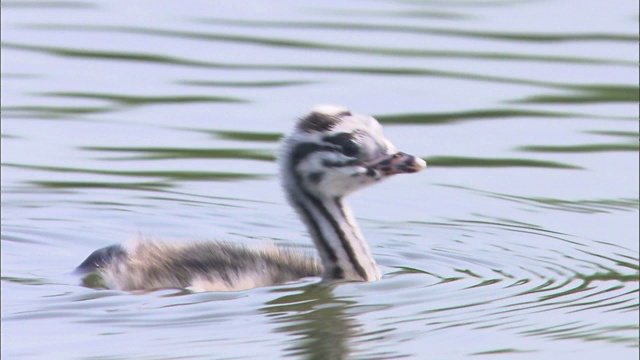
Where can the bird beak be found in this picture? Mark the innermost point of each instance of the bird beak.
(398, 163)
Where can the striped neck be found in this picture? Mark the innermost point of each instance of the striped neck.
(330, 154)
(343, 251)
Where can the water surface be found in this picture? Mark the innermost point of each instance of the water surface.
(124, 119)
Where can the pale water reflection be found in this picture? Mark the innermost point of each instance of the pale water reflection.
(520, 241)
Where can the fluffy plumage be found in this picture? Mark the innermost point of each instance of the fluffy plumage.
(330, 153)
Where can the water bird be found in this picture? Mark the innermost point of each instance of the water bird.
(330, 153)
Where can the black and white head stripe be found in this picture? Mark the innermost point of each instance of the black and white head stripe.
(322, 118)
(331, 153)
(324, 217)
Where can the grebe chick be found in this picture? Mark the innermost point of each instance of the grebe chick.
(330, 153)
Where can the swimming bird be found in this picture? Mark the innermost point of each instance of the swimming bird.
(330, 153)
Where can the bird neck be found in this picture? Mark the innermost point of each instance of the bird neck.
(343, 251)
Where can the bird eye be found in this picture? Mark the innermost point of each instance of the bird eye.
(350, 148)
(345, 141)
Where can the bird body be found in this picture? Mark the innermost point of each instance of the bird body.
(145, 264)
(329, 154)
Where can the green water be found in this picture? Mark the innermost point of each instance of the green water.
(161, 120)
